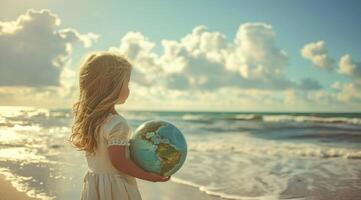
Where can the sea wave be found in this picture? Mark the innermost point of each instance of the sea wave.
(333, 120)
(247, 117)
(225, 162)
(273, 118)
(197, 118)
(210, 190)
(276, 149)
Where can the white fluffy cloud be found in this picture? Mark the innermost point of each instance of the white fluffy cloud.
(34, 50)
(35, 60)
(138, 49)
(316, 52)
(351, 68)
(347, 92)
(340, 93)
(205, 60)
(254, 54)
(201, 70)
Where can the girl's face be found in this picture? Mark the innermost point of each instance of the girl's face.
(124, 93)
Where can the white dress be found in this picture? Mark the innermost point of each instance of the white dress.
(103, 181)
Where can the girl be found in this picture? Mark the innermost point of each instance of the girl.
(103, 133)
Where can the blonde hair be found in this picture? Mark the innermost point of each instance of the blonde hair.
(101, 78)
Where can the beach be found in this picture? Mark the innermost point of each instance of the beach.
(170, 190)
(149, 191)
(165, 191)
(259, 156)
(9, 192)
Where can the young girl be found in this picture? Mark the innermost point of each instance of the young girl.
(103, 133)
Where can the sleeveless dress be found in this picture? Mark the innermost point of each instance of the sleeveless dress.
(103, 181)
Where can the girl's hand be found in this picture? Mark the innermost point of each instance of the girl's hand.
(157, 178)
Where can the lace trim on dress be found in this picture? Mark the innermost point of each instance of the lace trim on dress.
(117, 141)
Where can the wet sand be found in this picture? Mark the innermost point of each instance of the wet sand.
(170, 190)
(149, 191)
(8, 191)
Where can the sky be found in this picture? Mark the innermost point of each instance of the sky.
(277, 56)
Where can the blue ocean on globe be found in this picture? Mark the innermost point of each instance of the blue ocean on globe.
(159, 147)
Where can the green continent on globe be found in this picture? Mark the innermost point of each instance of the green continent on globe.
(169, 157)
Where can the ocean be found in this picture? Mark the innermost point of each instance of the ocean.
(233, 155)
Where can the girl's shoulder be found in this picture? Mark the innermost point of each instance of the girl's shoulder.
(112, 120)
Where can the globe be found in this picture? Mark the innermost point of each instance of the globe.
(158, 146)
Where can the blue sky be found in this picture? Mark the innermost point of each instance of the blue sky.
(295, 24)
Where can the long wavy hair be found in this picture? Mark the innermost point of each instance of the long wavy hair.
(101, 78)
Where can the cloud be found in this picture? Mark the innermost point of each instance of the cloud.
(309, 84)
(316, 52)
(138, 49)
(207, 61)
(350, 68)
(254, 54)
(347, 92)
(36, 60)
(231, 98)
(340, 92)
(202, 70)
(50, 96)
(225, 99)
(34, 50)
(309, 99)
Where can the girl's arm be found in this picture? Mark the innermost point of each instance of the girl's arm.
(127, 166)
